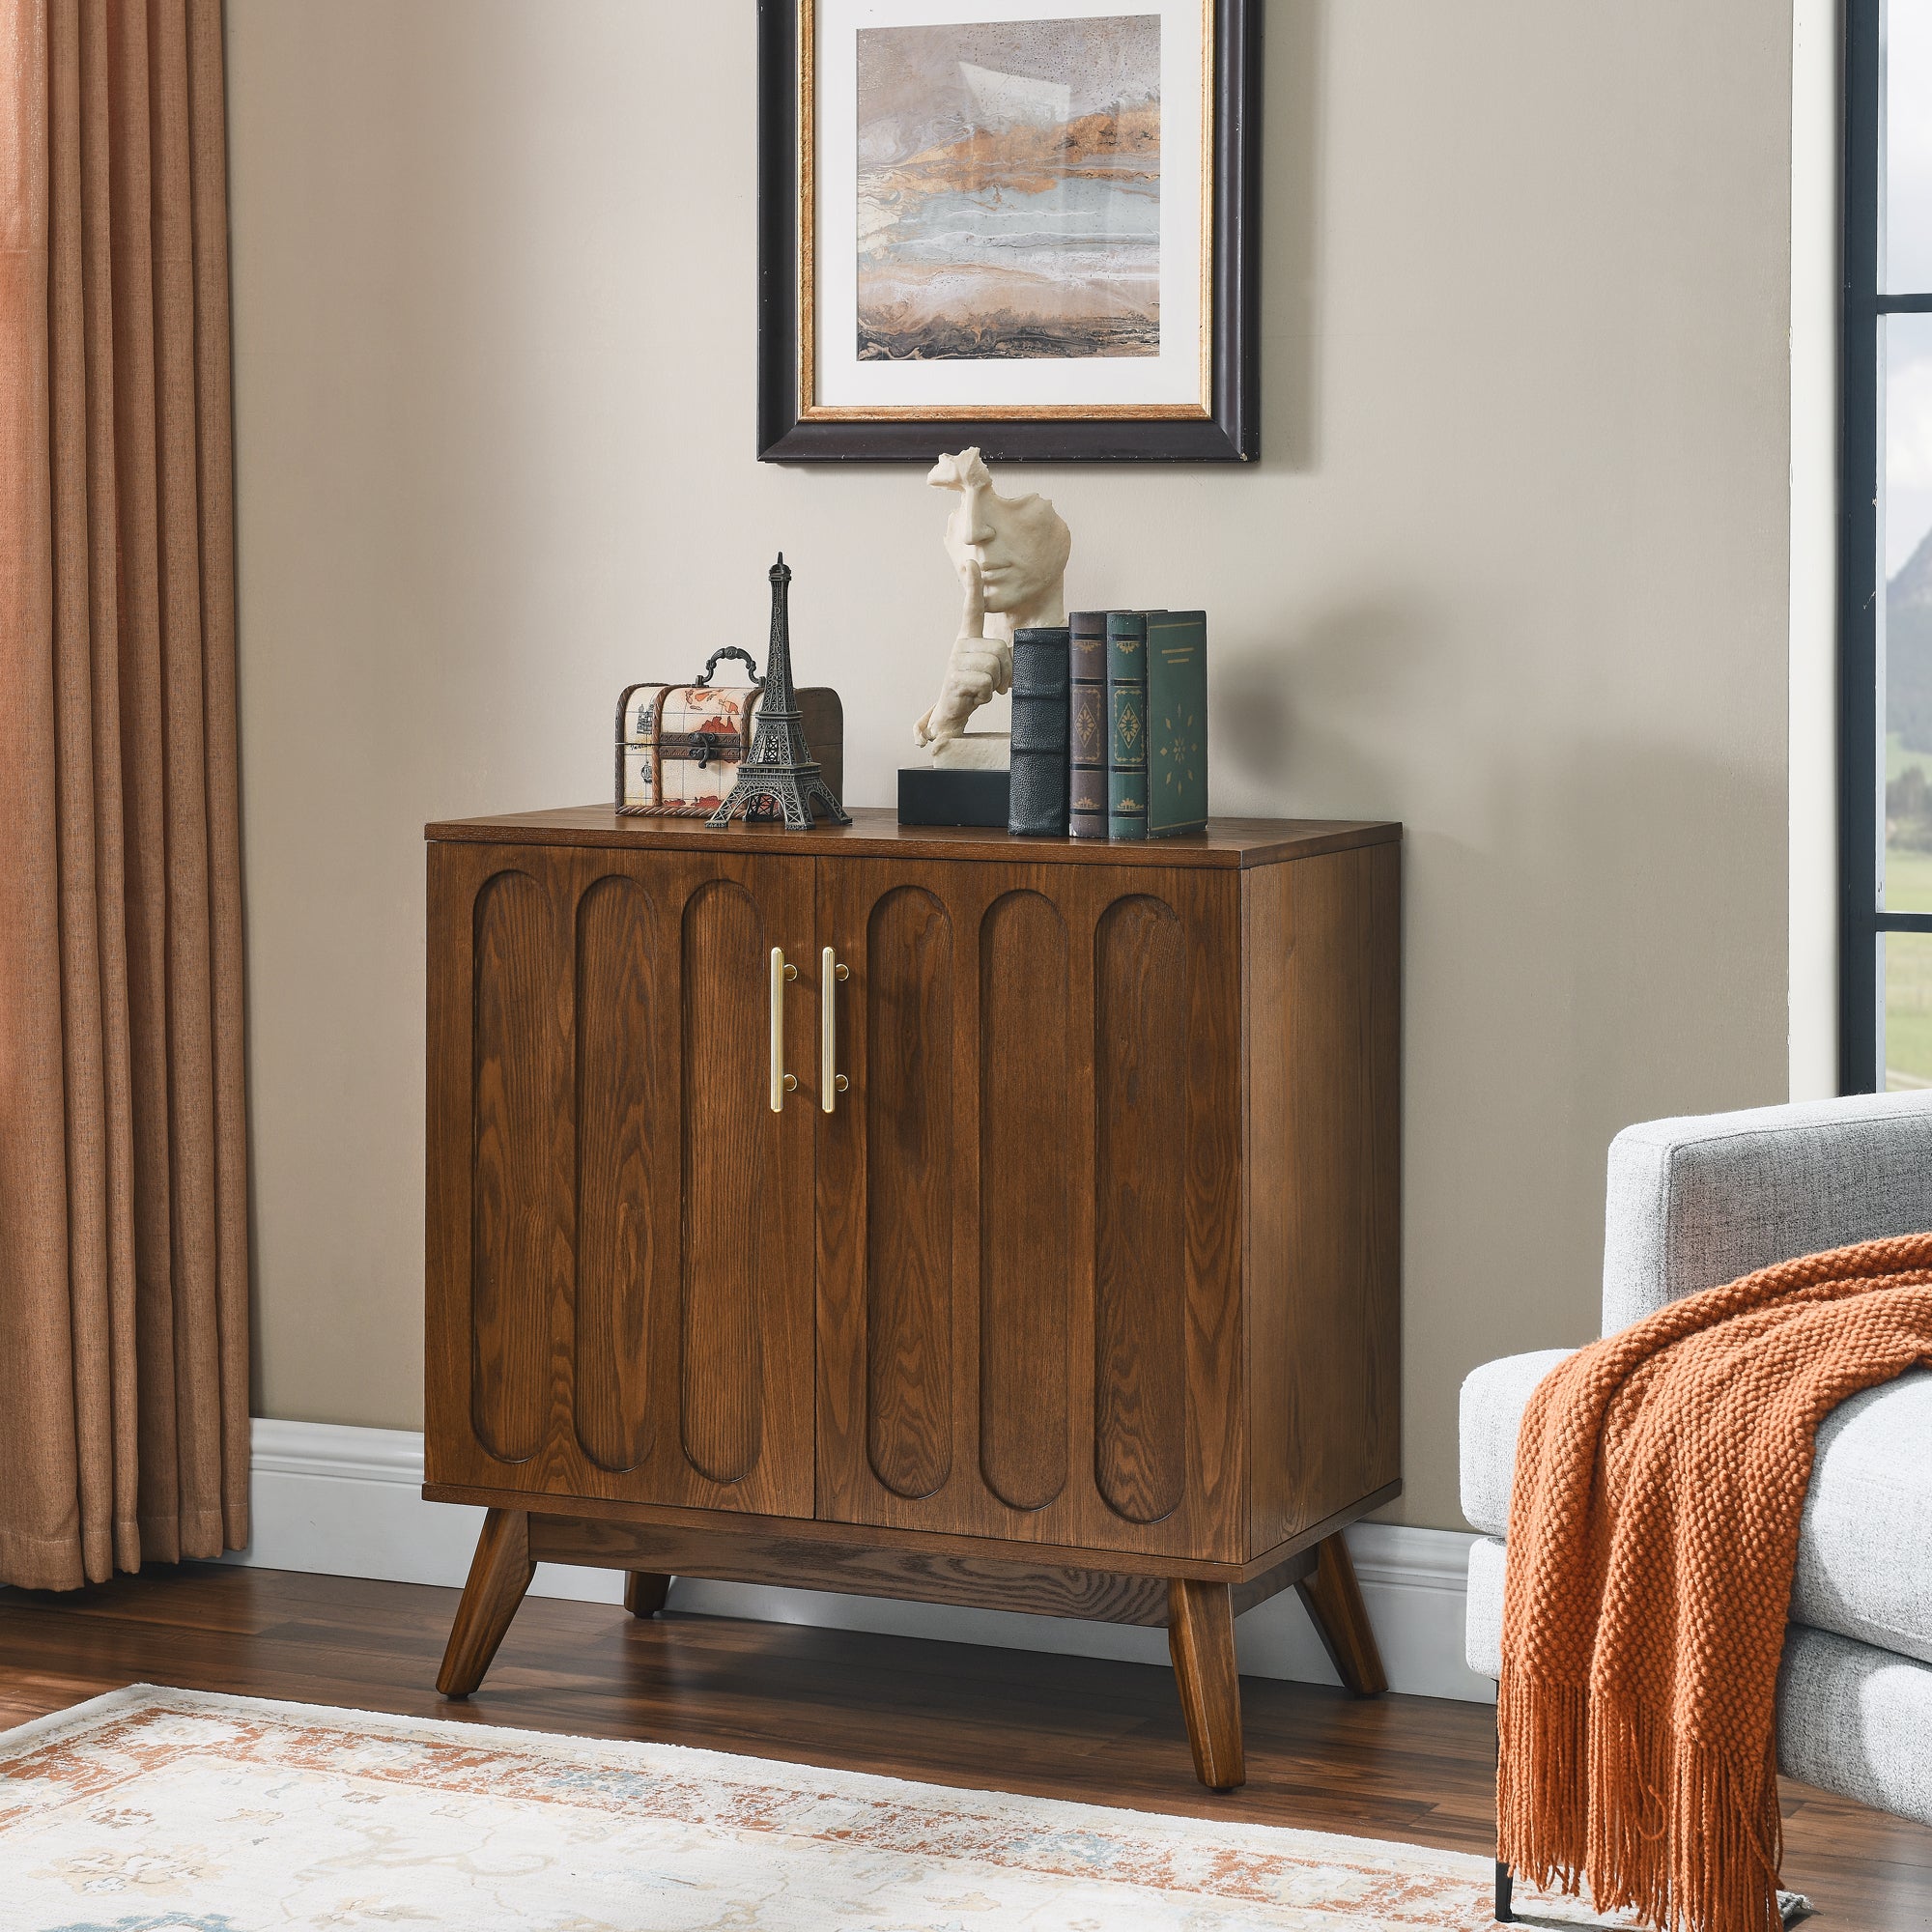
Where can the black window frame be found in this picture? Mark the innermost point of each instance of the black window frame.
(1863, 920)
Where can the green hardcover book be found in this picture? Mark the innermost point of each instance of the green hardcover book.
(1086, 766)
(1177, 723)
(1127, 724)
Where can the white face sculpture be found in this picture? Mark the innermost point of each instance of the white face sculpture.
(1020, 544)
(1010, 553)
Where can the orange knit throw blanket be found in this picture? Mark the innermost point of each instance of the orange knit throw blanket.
(1660, 1476)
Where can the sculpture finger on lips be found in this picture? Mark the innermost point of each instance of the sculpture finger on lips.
(1010, 555)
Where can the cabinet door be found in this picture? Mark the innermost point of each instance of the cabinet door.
(1029, 1289)
(620, 1246)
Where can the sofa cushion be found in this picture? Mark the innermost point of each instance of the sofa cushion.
(1856, 1719)
(1865, 1545)
(1865, 1549)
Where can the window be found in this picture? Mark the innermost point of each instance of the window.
(1886, 709)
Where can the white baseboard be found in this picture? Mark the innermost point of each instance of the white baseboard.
(345, 1502)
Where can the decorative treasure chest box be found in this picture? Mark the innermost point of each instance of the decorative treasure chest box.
(679, 745)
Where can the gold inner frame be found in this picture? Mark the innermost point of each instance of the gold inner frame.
(805, 276)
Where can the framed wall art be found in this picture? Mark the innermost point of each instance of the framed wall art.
(1029, 225)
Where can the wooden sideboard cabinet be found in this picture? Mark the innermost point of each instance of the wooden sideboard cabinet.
(919, 1213)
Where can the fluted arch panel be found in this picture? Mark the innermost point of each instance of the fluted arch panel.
(624, 1120)
(726, 1125)
(519, 1217)
(1026, 1199)
(910, 1157)
(1140, 1281)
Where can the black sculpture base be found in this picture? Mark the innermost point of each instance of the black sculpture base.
(930, 797)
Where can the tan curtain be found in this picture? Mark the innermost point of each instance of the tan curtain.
(123, 1253)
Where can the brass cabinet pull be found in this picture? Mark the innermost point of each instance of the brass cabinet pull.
(831, 1082)
(783, 1082)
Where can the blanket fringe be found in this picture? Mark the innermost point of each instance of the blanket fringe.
(1653, 1532)
(1675, 1830)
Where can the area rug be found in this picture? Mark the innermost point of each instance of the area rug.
(155, 1810)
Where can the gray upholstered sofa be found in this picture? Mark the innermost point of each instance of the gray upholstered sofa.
(1693, 1203)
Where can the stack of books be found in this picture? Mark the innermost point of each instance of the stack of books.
(1109, 725)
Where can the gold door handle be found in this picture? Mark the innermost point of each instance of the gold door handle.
(831, 1082)
(783, 1082)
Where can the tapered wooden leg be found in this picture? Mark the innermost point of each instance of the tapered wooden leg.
(1505, 1887)
(499, 1573)
(1201, 1640)
(644, 1592)
(1334, 1601)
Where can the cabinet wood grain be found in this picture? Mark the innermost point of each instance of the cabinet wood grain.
(1227, 843)
(1334, 1602)
(833, 1533)
(1140, 1113)
(519, 1213)
(905, 1101)
(499, 1573)
(626, 1114)
(1322, 1251)
(1028, 1101)
(1078, 1292)
(926, 1571)
(726, 1153)
(617, 1307)
(1080, 1193)
(1201, 1640)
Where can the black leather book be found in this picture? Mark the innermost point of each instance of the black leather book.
(1087, 770)
(1039, 798)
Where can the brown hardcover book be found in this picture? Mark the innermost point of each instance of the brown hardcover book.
(1087, 760)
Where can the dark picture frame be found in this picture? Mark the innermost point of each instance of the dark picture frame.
(1231, 431)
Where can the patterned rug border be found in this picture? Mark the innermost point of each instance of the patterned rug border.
(1223, 1864)
(740, 1768)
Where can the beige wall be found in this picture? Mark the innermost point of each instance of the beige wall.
(1513, 569)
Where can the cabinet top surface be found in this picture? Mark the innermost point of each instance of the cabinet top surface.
(876, 832)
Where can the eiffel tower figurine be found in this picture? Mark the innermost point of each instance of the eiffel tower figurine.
(779, 777)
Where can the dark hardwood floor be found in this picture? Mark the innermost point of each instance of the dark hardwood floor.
(1407, 1768)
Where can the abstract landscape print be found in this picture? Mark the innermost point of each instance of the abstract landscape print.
(1009, 189)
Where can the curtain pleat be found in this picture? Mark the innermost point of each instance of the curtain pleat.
(208, 163)
(124, 1274)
